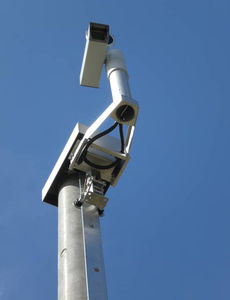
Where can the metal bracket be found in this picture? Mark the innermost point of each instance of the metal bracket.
(92, 192)
(110, 111)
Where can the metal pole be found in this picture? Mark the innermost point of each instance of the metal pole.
(80, 259)
(71, 262)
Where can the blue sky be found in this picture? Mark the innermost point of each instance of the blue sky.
(166, 226)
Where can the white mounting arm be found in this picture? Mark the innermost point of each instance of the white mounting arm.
(119, 83)
(123, 109)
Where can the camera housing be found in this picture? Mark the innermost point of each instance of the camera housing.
(97, 40)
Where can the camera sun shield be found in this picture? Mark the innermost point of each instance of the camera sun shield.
(97, 39)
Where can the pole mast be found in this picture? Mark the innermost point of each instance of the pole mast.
(81, 273)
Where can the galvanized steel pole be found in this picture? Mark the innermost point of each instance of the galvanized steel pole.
(71, 258)
(81, 273)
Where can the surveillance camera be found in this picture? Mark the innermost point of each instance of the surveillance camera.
(97, 40)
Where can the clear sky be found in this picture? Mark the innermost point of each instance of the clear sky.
(166, 226)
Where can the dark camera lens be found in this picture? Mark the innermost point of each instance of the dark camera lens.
(110, 40)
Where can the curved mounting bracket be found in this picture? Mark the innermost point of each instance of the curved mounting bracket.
(93, 129)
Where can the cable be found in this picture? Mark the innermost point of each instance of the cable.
(90, 141)
(122, 138)
(104, 132)
(93, 165)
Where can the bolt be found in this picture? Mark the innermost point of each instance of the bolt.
(77, 203)
(63, 251)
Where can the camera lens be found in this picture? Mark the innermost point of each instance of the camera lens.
(110, 40)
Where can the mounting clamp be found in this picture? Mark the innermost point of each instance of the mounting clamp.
(92, 192)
